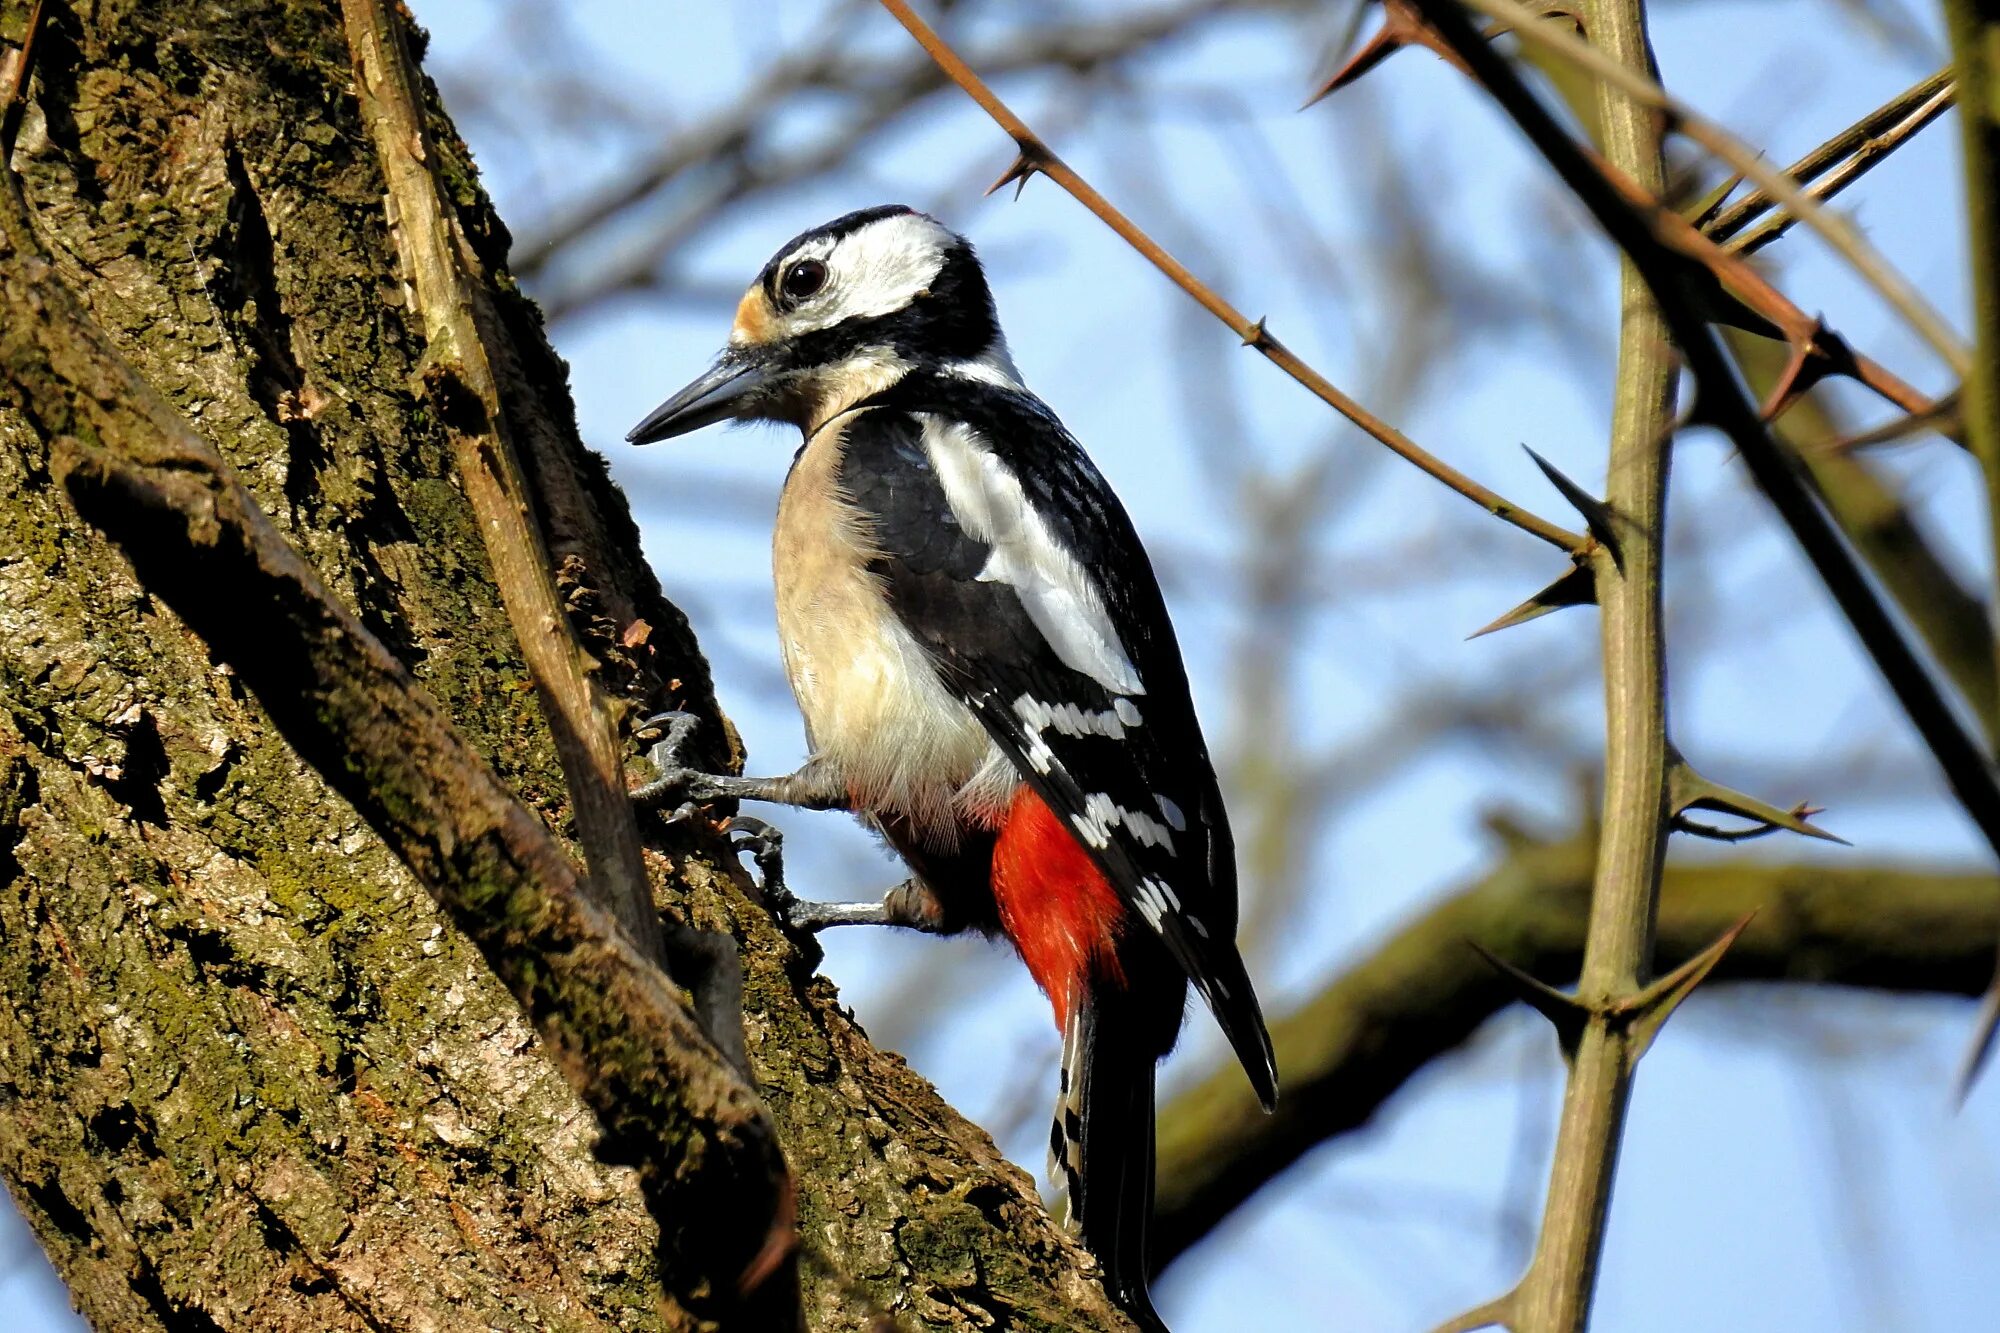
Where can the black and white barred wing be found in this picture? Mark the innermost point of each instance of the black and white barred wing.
(1021, 574)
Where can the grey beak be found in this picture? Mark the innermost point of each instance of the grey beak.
(716, 396)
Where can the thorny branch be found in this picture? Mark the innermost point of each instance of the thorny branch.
(1720, 401)
(1840, 234)
(1839, 162)
(1034, 156)
(668, 1102)
(1607, 1024)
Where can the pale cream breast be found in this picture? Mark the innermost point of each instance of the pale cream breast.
(874, 707)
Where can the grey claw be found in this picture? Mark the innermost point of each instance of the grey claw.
(675, 780)
(674, 729)
(765, 845)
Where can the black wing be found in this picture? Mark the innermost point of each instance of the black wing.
(1062, 647)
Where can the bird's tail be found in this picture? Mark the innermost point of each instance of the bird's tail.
(1101, 1147)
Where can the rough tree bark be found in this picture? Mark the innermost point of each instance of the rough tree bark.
(249, 1075)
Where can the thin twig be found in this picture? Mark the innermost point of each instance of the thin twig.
(1865, 157)
(18, 70)
(1837, 231)
(1035, 156)
(460, 382)
(1836, 151)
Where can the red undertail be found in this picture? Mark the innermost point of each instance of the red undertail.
(1055, 904)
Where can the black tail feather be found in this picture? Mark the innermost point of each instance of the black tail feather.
(1234, 1003)
(1103, 1144)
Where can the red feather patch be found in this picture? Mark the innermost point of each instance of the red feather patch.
(1055, 904)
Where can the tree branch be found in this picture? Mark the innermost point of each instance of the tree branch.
(1720, 402)
(706, 1153)
(461, 387)
(1422, 992)
(1842, 150)
(1554, 1295)
(1837, 231)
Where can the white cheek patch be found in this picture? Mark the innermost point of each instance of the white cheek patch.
(1056, 591)
(877, 270)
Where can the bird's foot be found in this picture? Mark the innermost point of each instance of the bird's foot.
(909, 904)
(674, 782)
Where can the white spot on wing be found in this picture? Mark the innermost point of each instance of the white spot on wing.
(1057, 593)
(1172, 814)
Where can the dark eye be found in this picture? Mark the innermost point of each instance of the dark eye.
(803, 279)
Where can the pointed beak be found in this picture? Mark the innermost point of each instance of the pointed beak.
(720, 394)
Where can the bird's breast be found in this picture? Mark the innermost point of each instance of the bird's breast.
(875, 708)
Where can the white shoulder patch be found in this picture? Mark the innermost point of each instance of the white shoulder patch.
(993, 366)
(1057, 592)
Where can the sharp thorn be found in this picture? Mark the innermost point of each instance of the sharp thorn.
(1017, 173)
(1688, 790)
(1383, 43)
(1984, 1028)
(1597, 515)
(1565, 1012)
(1649, 1010)
(1256, 335)
(1576, 586)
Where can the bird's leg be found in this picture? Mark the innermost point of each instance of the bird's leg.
(910, 904)
(813, 787)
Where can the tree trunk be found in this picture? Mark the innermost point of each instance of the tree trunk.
(250, 1077)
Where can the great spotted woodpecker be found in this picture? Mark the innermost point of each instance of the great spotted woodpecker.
(988, 677)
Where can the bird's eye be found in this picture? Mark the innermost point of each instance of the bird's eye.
(803, 279)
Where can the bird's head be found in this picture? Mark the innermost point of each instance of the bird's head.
(842, 312)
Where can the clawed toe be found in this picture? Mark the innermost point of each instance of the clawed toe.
(675, 781)
(766, 846)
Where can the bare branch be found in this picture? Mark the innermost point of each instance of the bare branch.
(1721, 402)
(461, 386)
(1554, 1294)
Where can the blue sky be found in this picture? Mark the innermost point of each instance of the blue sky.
(1792, 1160)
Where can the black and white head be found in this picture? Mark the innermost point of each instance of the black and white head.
(842, 312)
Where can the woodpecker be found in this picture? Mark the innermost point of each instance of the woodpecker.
(988, 678)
